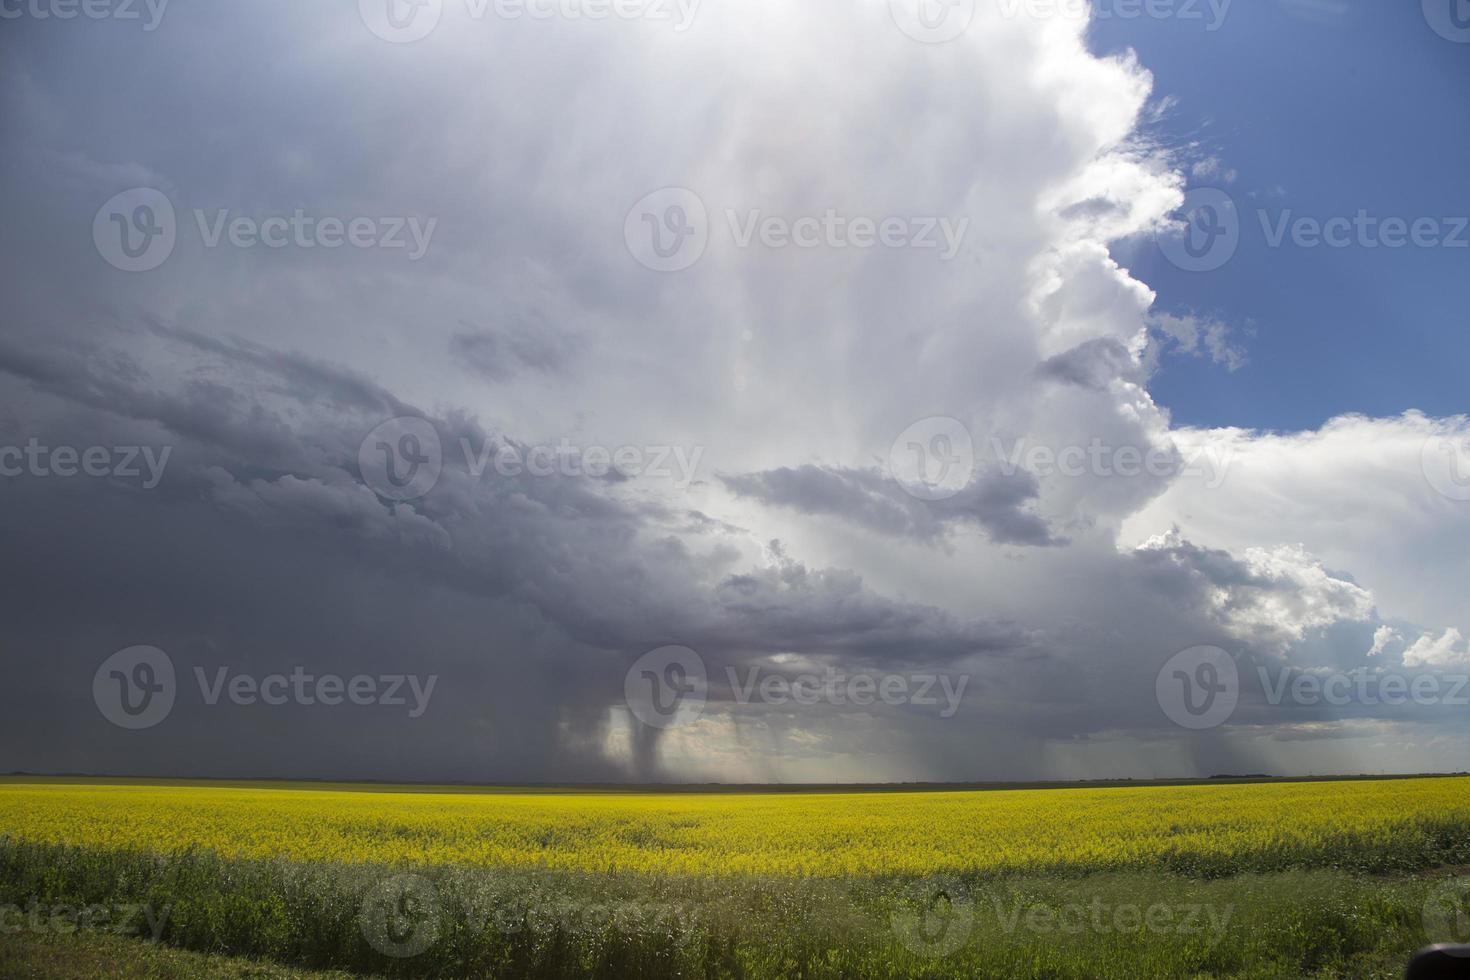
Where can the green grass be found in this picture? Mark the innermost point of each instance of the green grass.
(24, 956)
(468, 922)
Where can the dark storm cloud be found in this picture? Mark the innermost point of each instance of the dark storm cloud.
(530, 319)
(263, 546)
(529, 597)
(871, 499)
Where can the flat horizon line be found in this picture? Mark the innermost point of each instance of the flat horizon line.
(721, 787)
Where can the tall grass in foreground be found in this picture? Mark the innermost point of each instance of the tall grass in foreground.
(455, 921)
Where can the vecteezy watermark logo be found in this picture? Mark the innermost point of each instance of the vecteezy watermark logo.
(1446, 463)
(935, 916)
(668, 230)
(136, 231)
(1210, 233)
(401, 21)
(1449, 18)
(400, 917)
(401, 459)
(667, 687)
(933, 459)
(90, 9)
(1199, 688)
(932, 21)
(1447, 913)
(135, 688)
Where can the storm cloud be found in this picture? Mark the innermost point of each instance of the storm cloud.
(628, 456)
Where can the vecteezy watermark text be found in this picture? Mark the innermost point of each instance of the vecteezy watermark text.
(138, 230)
(1363, 230)
(1098, 458)
(403, 916)
(934, 459)
(301, 230)
(1200, 688)
(1210, 13)
(1099, 917)
(121, 919)
(1363, 686)
(942, 21)
(1210, 230)
(406, 21)
(676, 463)
(122, 462)
(403, 459)
(669, 231)
(304, 688)
(839, 687)
(834, 230)
(669, 687)
(936, 917)
(148, 12)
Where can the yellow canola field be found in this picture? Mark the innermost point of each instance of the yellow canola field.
(805, 834)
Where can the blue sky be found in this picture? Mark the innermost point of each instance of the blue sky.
(1323, 115)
